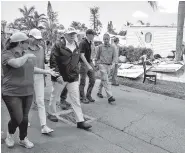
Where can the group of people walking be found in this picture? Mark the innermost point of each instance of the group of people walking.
(23, 67)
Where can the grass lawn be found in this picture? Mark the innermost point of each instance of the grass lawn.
(168, 88)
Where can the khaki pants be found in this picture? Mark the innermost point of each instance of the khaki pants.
(73, 90)
(105, 71)
(114, 74)
(39, 97)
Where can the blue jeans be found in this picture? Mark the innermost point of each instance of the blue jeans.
(18, 108)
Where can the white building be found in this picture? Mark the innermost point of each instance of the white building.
(161, 39)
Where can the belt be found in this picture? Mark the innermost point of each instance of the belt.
(106, 63)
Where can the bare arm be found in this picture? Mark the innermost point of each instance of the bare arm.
(82, 49)
(40, 71)
(97, 58)
(84, 60)
(114, 56)
(18, 62)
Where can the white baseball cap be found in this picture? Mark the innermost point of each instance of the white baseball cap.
(36, 33)
(70, 30)
(18, 37)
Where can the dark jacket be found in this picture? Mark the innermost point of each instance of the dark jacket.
(64, 61)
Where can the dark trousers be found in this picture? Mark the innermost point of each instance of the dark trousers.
(83, 73)
(18, 108)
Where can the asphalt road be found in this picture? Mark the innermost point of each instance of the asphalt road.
(139, 122)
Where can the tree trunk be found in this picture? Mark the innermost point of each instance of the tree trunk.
(94, 22)
(180, 28)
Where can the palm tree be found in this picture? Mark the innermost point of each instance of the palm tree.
(27, 14)
(37, 19)
(18, 24)
(83, 27)
(95, 22)
(49, 30)
(76, 25)
(51, 25)
(153, 4)
(180, 26)
(61, 27)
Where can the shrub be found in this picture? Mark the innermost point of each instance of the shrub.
(133, 54)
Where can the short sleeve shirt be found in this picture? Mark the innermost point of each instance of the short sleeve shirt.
(106, 54)
(17, 81)
(85, 47)
(39, 60)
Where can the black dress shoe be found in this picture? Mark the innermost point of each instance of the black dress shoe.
(64, 105)
(90, 99)
(115, 84)
(111, 99)
(85, 101)
(83, 125)
(52, 118)
(99, 95)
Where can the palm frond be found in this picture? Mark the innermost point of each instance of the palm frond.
(153, 4)
(30, 10)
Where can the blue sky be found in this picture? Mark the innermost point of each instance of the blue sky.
(116, 11)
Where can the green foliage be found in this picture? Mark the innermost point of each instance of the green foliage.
(30, 19)
(94, 18)
(110, 28)
(79, 26)
(133, 54)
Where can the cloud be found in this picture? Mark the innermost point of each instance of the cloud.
(139, 14)
(168, 6)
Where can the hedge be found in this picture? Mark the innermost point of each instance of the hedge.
(133, 54)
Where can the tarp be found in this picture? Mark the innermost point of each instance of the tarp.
(167, 68)
(131, 71)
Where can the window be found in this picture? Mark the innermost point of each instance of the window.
(148, 37)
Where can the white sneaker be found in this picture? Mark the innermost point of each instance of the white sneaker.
(9, 140)
(26, 143)
(46, 130)
(29, 124)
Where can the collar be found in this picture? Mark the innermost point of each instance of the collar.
(88, 41)
(30, 48)
(108, 45)
(68, 44)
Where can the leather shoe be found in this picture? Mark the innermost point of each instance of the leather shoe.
(111, 99)
(99, 95)
(90, 99)
(83, 125)
(52, 118)
(115, 84)
(64, 105)
(85, 101)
